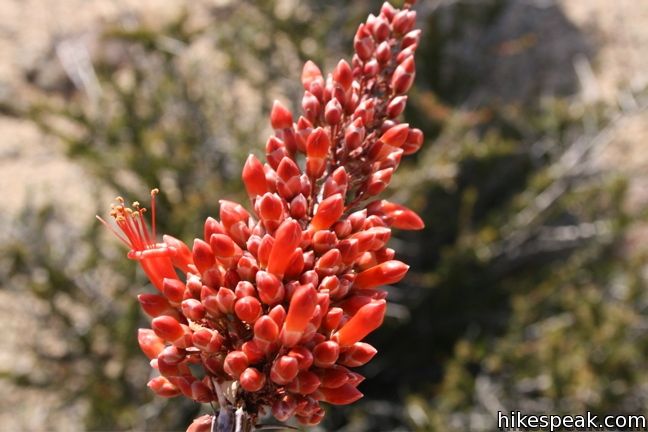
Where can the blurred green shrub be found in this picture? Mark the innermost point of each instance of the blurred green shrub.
(518, 297)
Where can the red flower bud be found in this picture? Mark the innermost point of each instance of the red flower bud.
(364, 47)
(203, 256)
(155, 305)
(150, 343)
(326, 354)
(330, 263)
(171, 370)
(247, 268)
(305, 383)
(396, 106)
(278, 314)
(303, 356)
(270, 209)
(411, 39)
(388, 11)
(252, 380)
(284, 370)
(310, 73)
(323, 241)
(266, 331)
(342, 74)
(235, 363)
(315, 167)
(271, 290)
(354, 134)
(353, 304)
(280, 116)
(333, 318)
(311, 106)
(201, 424)
(396, 215)
(232, 213)
(253, 351)
(357, 219)
(168, 328)
(193, 309)
(200, 392)
(298, 207)
(248, 309)
(318, 143)
(225, 298)
(333, 112)
(244, 289)
(254, 177)
(379, 181)
(223, 247)
(163, 387)
(328, 212)
(396, 136)
(333, 377)
(380, 29)
(172, 355)
(349, 250)
(212, 226)
(174, 290)
(207, 340)
(402, 80)
(343, 395)
(359, 354)
(355, 378)
(414, 141)
(289, 183)
(383, 52)
(404, 21)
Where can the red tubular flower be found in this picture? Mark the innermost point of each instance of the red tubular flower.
(368, 318)
(280, 300)
(302, 307)
(287, 238)
(132, 229)
(382, 274)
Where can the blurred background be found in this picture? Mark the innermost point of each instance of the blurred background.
(528, 286)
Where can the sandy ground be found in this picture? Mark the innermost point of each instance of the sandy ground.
(620, 31)
(32, 168)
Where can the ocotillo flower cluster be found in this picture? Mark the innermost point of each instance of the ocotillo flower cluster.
(272, 304)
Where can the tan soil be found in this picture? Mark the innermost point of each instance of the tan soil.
(31, 166)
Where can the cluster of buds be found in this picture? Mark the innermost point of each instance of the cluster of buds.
(268, 310)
